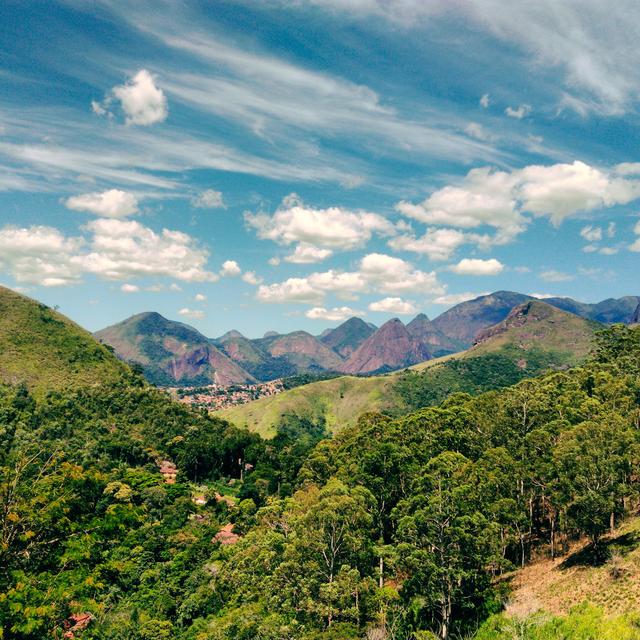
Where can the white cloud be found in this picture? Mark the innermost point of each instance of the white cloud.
(485, 101)
(112, 250)
(142, 101)
(307, 254)
(291, 290)
(334, 228)
(40, 255)
(388, 274)
(456, 298)
(113, 203)
(477, 267)
(129, 288)
(501, 199)
(477, 131)
(437, 244)
(519, 112)
(611, 230)
(609, 251)
(591, 234)
(250, 277)
(377, 272)
(230, 269)
(209, 199)
(200, 297)
(394, 305)
(274, 261)
(191, 313)
(556, 276)
(543, 296)
(336, 314)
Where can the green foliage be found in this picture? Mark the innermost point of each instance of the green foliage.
(397, 527)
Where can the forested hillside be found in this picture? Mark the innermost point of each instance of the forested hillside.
(140, 519)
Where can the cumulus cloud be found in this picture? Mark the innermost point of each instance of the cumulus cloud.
(113, 203)
(333, 228)
(111, 249)
(501, 199)
(456, 298)
(394, 305)
(230, 269)
(200, 297)
(209, 199)
(437, 244)
(291, 290)
(250, 277)
(556, 276)
(485, 101)
(129, 288)
(591, 234)
(519, 112)
(191, 313)
(477, 267)
(376, 273)
(307, 254)
(635, 246)
(142, 101)
(337, 314)
(40, 255)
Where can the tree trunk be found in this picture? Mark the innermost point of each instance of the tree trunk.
(381, 573)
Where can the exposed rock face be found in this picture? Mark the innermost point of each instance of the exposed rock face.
(425, 332)
(636, 315)
(465, 320)
(171, 352)
(347, 337)
(390, 347)
(302, 350)
(527, 314)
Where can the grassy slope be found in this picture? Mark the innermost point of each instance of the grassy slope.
(340, 401)
(556, 339)
(556, 586)
(45, 350)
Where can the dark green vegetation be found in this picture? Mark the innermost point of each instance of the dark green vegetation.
(399, 528)
(42, 349)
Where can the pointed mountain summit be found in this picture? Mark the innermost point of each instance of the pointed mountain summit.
(465, 320)
(390, 347)
(171, 352)
(536, 325)
(437, 343)
(347, 337)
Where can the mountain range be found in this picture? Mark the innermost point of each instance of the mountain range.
(535, 337)
(172, 353)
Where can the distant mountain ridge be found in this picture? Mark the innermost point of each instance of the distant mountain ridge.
(533, 338)
(177, 354)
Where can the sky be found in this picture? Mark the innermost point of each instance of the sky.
(288, 164)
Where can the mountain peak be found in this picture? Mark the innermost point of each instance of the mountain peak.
(348, 336)
(390, 347)
(229, 335)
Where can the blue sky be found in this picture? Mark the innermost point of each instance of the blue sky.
(283, 165)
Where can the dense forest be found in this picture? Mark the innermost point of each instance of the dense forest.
(124, 515)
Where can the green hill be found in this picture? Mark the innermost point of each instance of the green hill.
(44, 350)
(534, 338)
